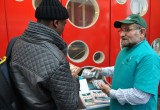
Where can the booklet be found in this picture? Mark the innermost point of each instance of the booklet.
(87, 73)
(94, 97)
(99, 97)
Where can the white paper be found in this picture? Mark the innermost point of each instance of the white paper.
(84, 86)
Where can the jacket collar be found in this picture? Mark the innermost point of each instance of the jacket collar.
(40, 32)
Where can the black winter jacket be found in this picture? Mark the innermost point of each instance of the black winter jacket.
(40, 71)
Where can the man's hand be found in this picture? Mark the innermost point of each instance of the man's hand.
(104, 87)
(74, 70)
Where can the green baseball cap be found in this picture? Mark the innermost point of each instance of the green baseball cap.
(131, 19)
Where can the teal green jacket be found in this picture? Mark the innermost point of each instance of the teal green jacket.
(138, 67)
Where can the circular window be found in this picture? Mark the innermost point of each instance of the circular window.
(83, 13)
(139, 7)
(98, 57)
(156, 45)
(36, 3)
(121, 1)
(78, 51)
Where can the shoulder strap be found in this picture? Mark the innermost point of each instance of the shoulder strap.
(4, 67)
(9, 48)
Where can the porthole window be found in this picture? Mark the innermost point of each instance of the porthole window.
(83, 13)
(121, 1)
(78, 51)
(156, 45)
(36, 3)
(98, 57)
(139, 7)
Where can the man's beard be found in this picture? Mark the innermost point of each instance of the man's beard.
(129, 45)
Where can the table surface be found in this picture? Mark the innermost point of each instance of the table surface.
(97, 107)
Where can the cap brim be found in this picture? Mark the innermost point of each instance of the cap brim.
(117, 24)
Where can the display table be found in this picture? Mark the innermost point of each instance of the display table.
(97, 107)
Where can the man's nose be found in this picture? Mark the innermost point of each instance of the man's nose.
(122, 34)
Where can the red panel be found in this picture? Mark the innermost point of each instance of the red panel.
(18, 16)
(3, 30)
(96, 37)
(154, 23)
(154, 20)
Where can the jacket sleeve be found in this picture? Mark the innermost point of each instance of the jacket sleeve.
(64, 88)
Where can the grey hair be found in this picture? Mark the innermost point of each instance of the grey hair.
(139, 27)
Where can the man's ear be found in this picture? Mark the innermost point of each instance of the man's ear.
(143, 31)
(55, 23)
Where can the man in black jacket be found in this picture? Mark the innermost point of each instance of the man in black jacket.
(40, 70)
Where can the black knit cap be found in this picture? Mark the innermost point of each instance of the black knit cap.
(51, 10)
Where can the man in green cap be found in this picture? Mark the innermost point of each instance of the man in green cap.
(136, 71)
